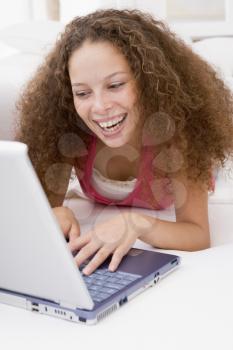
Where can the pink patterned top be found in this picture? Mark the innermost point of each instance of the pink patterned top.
(149, 192)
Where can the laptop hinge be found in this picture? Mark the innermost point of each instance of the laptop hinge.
(67, 305)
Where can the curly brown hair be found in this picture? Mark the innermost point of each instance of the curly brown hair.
(173, 82)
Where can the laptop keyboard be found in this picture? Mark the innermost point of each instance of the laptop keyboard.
(103, 283)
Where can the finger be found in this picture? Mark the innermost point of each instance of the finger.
(86, 252)
(79, 242)
(65, 226)
(117, 256)
(97, 260)
(74, 231)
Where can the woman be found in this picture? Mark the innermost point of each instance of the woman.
(144, 121)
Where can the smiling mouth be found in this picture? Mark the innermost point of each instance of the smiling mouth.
(112, 125)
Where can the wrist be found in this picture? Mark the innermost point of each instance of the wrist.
(142, 225)
(147, 226)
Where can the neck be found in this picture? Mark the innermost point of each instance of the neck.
(122, 164)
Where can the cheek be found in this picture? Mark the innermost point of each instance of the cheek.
(126, 99)
(131, 98)
(81, 108)
(131, 103)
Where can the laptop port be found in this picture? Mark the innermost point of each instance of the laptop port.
(123, 301)
(156, 277)
(35, 304)
(174, 262)
(35, 309)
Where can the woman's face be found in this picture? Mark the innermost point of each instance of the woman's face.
(104, 93)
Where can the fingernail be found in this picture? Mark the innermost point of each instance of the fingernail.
(86, 270)
(112, 268)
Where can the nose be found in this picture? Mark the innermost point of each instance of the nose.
(101, 104)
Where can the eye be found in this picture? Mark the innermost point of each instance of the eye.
(116, 85)
(81, 94)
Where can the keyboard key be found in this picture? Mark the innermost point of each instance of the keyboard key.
(113, 286)
(123, 282)
(101, 277)
(97, 298)
(98, 282)
(88, 283)
(128, 275)
(128, 280)
(100, 271)
(109, 291)
(89, 278)
(109, 273)
(102, 283)
(94, 288)
(100, 297)
(93, 293)
(113, 279)
(103, 295)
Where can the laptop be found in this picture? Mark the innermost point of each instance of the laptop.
(37, 269)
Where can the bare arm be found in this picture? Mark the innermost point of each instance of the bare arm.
(57, 185)
(191, 230)
(117, 235)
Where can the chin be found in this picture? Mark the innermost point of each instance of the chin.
(114, 143)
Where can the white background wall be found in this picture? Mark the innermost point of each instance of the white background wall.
(71, 8)
(13, 11)
(168, 9)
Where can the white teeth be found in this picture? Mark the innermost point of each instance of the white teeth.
(111, 123)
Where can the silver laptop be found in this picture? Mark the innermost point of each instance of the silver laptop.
(38, 271)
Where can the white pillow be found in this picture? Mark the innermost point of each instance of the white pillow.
(35, 37)
(15, 71)
(6, 50)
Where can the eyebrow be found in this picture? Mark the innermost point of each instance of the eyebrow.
(107, 77)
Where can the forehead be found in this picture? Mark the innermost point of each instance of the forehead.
(100, 58)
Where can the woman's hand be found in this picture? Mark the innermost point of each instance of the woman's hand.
(68, 223)
(115, 236)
